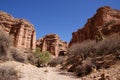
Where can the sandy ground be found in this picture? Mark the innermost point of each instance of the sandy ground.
(30, 72)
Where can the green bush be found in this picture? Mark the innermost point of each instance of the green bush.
(42, 57)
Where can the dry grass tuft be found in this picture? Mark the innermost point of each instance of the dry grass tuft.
(8, 52)
(8, 73)
(103, 54)
(56, 61)
(18, 56)
(5, 44)
(110, 44)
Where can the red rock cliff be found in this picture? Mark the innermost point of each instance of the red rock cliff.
(53, 44)
(22, 32)
(106, 19)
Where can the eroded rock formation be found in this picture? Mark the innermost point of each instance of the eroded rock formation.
(53, 44)
(106, 20)
(22, 32)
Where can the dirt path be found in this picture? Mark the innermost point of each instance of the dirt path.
(29, 72)
(46, 73)
(56, 74)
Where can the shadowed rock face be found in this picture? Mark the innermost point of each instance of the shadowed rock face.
(22, 32)
(106, 20)
(53, 44)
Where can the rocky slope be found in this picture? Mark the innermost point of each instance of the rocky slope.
(106, 20)
(53, 44)
(22, 32)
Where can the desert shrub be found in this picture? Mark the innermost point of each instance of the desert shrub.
(79, 51)
(110, 44)
(8, 52)
(21, 56)
(87, 48)
(8, 73)
(31, 58)
(5, 43)
(18, 56)
(82, 48)
(85, 68)
(56, 61)
(103, 54)
(42, 57)
(105, 61)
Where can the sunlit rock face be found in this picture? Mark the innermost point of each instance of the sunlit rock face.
(53, 44)
(106, 20)
(22, 32)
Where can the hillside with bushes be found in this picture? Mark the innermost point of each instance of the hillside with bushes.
(93, 52)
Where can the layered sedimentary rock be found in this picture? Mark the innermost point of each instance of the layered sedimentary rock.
(22, 32)
(53, 44)
(106, 20)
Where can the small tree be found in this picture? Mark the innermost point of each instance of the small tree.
(42, 58)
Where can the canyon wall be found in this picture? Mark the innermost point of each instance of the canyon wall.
(22, 32)
(106, 20)
(53, 44)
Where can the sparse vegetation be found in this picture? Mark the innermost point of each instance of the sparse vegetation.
(109, 44)
(85, 68)
(23, 57)
(18, 56)
(42, 58)
(56, 61)
(31, 58)
(8, 52)
(103, 54)
(8, 73)
(5, 44)
(83, 48)
(78, 52)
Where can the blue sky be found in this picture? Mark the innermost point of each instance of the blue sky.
(55, 16)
